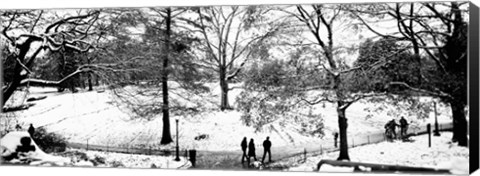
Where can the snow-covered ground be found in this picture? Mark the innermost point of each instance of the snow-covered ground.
(442, 154)
(9, 145)
(74, 157)
(134, 161)
(96, 118)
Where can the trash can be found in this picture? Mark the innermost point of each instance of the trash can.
(193, 155)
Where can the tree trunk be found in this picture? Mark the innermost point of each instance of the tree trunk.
(89, 75)
(342, 124)
(8, 91)
(342, 119)
(456, 46)
(166, 136)
(17, 77)
(72, 86)
(460, 125)
(83, 82)
(90, 86)
(97, 80)
(224, 90)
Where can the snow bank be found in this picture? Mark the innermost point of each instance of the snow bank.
(11, 141)
(134, 161)
(330, 168)
(442, 154)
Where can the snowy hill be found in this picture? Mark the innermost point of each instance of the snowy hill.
(93, 117)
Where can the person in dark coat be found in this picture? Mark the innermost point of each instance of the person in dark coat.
(31, 130)
(403, 127)
(18, 127)
(391, 125)
(266, 149)
(251, 151)
(244, 149)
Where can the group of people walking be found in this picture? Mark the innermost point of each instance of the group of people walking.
(390, 132)
(251, 150)
(391, 126)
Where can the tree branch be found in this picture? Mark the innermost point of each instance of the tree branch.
(46, 83)
(209, 45)
(358, 97)
(23, 66)
(68, 20)
(438, 93)
(318, 100)
(36, 21)
(4, 31)
(380, 61)
(373, 30)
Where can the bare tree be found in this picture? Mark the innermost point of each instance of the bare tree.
(156, 50)
(233, 36)
(33, 34)
(440, 31)
(322, 22)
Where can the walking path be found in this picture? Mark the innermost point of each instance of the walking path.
(232, 159)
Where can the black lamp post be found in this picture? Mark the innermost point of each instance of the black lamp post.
(177, 158)
(436, 132)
